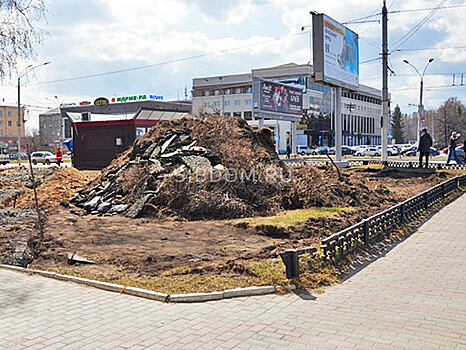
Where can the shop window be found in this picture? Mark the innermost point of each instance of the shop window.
(236, 114)
(118, 141)
(227, 114)
(248, 115)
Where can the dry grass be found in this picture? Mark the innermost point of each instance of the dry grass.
(293, 217)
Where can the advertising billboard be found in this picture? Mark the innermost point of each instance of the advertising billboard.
(280, 98)
(336, 52)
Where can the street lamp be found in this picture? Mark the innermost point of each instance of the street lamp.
(28, 69)
(420, 107)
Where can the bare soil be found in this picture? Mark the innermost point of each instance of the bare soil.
(144, 248)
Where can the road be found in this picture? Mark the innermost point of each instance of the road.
(413, 297)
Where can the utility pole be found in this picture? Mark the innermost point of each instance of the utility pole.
(384, 121)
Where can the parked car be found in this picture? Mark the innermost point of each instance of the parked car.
(369, 151)
(43, 157)
(321, 150)
(4, 159)
(409, 151)
(303, 150)
(345, 150)
(434, 151)
(461, 153)
(392, 150)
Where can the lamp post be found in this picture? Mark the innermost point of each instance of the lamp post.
(28, 69)
(420, 107)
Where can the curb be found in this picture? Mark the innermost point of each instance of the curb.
(149, 294)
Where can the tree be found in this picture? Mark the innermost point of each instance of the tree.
(32, 139)
(449, 117)
(18, 32)
(398, 127)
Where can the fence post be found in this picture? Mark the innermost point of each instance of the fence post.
(402, 213)
(426, 200)
(366, 232)
(443, 190)
(290, 259)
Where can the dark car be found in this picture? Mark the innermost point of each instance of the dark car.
(345, 150)
(461, 153)
(434, 151)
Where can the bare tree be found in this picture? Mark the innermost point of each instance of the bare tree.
(32, 139)
(19, 33)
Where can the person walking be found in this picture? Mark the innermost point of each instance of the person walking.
(59, 156)
(425, 143)
(452, 149)
(288, 151)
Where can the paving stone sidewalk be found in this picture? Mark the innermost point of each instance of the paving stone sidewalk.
(414, 297)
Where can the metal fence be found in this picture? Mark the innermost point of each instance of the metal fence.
(391, 163)
(363, 233)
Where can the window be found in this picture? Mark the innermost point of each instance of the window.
(11, 133)
(217, 103)
(9, 122)
(227, 114)
(236, 114)
(248, 102)
(249, 90)
(1, 122)
(9, 113)
(227, 91)
(206, 104)
(1, 132)
(217, 92)
(1, 114)
(248, 115)
(237, 90)
(207, 93)
(227, 103)
(237, 103)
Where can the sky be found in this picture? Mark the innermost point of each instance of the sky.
(158, 47)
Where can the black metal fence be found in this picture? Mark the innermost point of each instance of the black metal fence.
(391, 163)
(363, 233)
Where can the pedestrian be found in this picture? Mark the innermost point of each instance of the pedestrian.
(425, 143)
(59, 156)
(288, 151)
(452, 149)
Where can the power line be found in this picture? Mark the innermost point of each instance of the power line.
(166, 62)
(418, 26)
(430, 88)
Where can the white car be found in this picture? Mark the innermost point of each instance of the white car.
(4, 158)
(44, 157)
(368, 151)
(303, 150)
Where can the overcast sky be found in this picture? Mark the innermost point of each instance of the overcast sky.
(177, 41)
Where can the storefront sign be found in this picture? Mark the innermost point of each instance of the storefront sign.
(101, 102)
(84, 103)
(137, 98)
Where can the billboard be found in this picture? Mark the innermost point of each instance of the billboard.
(280, 98)
(336, 52)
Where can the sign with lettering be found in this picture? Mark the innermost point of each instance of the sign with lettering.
(137, 98)
(101, 102)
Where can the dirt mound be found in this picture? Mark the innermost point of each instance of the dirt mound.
(194, 169)
(58, 188)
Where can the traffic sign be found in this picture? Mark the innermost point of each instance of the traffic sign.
(390, 135)
(276, 138)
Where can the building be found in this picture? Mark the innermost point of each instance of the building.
(52, 130)
(231, 95)
(9, 127)
(101, 133)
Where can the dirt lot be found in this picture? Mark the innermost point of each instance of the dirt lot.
(176, 255)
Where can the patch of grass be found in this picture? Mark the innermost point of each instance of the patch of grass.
(180, 280)
(293, 217)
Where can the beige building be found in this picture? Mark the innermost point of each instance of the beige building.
(9, 126)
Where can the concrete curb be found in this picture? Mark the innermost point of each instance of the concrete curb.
(149, 294)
